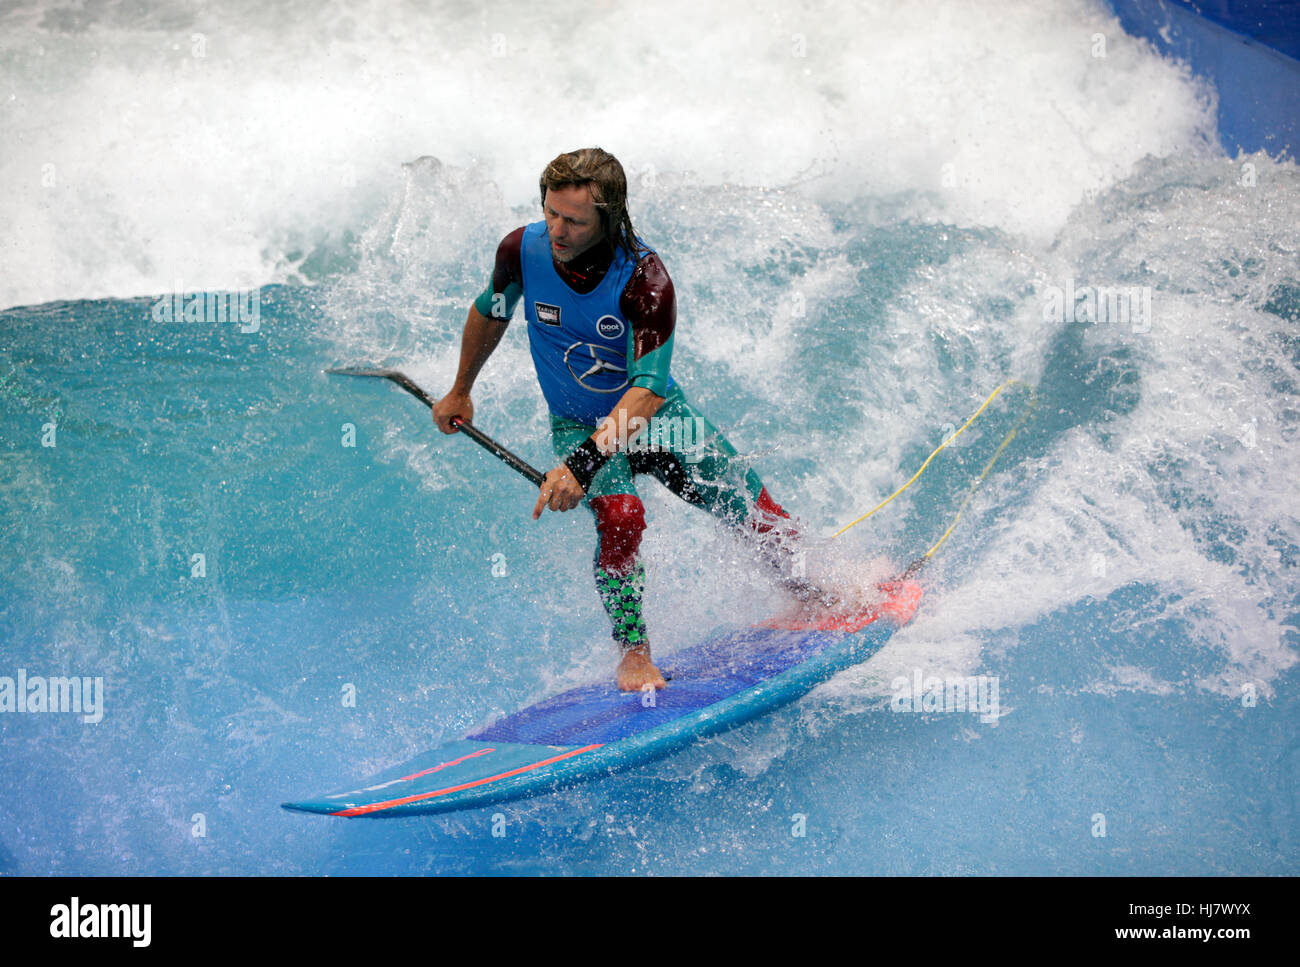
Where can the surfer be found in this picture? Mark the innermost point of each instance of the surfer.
(601, 314)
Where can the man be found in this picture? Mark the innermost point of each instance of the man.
(601, 312)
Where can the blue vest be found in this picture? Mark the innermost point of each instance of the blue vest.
(581, 344)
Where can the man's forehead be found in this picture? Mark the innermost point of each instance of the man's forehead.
(572, 201)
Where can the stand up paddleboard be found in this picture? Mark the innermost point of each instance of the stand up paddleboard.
(596, 730)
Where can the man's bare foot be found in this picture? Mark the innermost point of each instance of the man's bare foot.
(636, 670)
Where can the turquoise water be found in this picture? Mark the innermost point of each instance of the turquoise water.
(1127, 572)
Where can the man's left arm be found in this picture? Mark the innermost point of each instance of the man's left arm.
(649, 304)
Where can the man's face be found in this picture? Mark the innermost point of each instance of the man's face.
(572, 221)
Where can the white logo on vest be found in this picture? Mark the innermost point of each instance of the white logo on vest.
(610, 327)
(586, 359)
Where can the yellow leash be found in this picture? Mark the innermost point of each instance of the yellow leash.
(915, 565)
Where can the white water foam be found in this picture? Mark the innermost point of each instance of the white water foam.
(1191, 490)
(160, 145)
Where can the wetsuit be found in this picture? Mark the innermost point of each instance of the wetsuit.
(596, 326)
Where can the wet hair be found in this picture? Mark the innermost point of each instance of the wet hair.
(601, 172)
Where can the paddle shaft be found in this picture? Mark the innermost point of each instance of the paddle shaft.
(475, 434)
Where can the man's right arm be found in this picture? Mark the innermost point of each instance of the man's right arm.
(488, 318)
(480, 338)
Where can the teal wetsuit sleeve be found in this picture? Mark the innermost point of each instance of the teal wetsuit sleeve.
(650, 305)
(651, 370)
(506, 287)
(499, 305)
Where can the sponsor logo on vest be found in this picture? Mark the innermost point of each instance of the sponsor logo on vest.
(547, 315)
(586, 360)
(610, 327)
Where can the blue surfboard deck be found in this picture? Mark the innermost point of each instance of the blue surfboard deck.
(595, 730)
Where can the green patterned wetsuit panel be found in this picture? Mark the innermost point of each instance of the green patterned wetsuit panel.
(621, 596)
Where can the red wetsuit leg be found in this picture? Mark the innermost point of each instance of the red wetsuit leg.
(620, 521)
(770, 516)
(620, 577)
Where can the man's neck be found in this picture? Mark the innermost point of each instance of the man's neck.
(583, 272)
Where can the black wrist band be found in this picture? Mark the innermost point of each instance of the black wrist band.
(585, 462)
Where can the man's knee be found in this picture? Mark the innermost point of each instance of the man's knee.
(620, 520)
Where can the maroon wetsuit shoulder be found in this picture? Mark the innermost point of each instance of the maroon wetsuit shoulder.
(649, 304)
(508, 267)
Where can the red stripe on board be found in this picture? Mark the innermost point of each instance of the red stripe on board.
(375, 807)
(453, 762)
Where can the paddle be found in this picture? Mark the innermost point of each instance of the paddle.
(478, 436)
